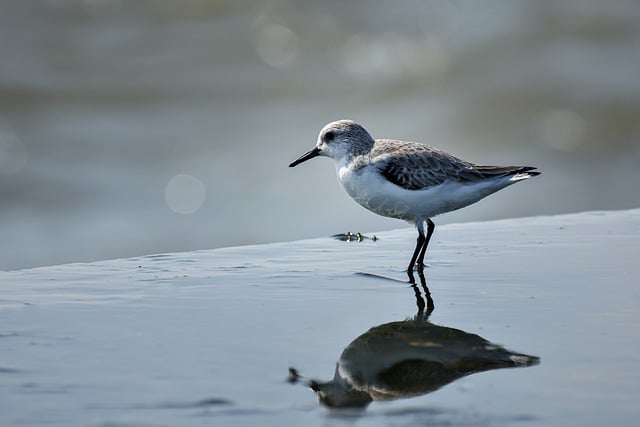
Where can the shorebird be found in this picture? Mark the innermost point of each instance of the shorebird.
(407, 180)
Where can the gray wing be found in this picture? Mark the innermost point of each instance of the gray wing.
(416, 166)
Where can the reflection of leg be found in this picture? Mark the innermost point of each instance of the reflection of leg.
(430, 303)
(419, 244)
(430, 227)
(419, 300)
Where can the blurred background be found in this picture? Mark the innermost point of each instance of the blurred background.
(137, 127)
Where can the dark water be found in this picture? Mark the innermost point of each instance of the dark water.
(141, 127)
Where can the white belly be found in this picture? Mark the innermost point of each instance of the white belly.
(371, 190)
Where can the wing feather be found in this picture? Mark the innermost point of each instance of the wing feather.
(416, 166)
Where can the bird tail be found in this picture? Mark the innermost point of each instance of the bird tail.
(516, 173)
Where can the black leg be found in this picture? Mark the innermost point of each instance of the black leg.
(430, 227)
(416, 251)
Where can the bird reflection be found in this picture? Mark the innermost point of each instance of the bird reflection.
(409, 358)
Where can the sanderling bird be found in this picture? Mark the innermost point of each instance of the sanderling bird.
(407, 180)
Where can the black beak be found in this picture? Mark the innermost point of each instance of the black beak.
(306, 156)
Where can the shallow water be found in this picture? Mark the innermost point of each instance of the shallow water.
(207, 337)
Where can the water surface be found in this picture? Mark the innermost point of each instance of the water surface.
(207, 337)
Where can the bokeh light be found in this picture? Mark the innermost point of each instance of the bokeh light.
(563, 130)
(276, 45)
(185, 194)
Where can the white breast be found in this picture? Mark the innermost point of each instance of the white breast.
(367, 187)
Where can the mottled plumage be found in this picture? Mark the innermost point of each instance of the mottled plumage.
(407, 180)
(415, 166)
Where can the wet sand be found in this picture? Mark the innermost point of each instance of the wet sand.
(206, 337)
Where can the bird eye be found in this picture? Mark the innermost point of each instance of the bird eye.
(329, 136)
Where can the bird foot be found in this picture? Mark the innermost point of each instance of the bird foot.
(418, 266)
